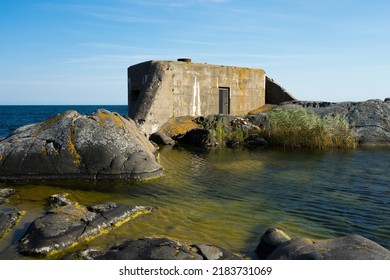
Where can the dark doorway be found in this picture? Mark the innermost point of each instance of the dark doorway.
(224, 101)
(134, 97)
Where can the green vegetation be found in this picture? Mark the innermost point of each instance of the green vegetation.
(222, 132)
(299, 128)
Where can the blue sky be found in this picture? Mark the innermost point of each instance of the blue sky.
(77, 52)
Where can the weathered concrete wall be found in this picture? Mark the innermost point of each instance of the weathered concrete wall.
(170, 88)
(275, 94)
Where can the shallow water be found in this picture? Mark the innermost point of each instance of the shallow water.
(230, 197)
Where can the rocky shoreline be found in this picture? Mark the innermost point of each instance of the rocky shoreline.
(110, 147)
(67, 224)
(368, 120)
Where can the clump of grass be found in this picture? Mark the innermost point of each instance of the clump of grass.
(221, 133)
(299, 128)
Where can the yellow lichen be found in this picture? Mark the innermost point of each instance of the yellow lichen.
(117, 224)
(72, 147)
(46, 124)
(1, 157)
(242, 72)
(104, 116)
(102, 230)
(8, 229)
(176, 126)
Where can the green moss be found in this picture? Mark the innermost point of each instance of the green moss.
(221, 133)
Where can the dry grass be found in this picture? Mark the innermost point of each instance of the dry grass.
(263, 109)
(299, 128)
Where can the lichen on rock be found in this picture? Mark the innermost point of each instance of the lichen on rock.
(69, 223)
(104, 145)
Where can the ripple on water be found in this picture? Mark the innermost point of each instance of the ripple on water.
(230, 197)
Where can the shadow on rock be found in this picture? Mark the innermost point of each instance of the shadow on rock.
(69, 223)
(159, 249)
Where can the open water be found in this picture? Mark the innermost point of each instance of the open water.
(226, 197)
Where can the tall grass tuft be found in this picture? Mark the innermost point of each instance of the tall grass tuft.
(299, 128)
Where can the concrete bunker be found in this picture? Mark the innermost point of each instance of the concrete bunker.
(159, 90)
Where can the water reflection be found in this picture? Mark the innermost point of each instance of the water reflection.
(230, 197)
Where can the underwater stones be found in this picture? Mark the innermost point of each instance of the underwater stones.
(104, 145)
(66, 225)
(150, 248)
(6, 192)
(276, 245)
(255, 141)
(8, 219)
(197, 137)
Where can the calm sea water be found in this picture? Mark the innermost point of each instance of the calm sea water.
(227, 197)
(13, 117)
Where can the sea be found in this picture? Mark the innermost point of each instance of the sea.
(224, 197)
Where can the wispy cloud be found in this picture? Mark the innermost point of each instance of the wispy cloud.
(107, 13)
(191, 42)
(179, 3)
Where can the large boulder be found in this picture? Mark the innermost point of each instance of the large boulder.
(276, 245)
(370, 119)
(69, 223)
(104, 145)
(159, 249)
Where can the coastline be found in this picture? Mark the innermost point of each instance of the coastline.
(363, 146)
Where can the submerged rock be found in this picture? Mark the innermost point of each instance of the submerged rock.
(197, 137)
(70, 223)
(8, 219)
(6, 192)
(160, 138)
(73, 146)
(276, 245)
(255, 141)
(159, 249)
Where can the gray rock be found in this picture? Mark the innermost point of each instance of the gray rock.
(210, 252)
(6, 192)
(269, 241)
(261, 120)
(196, 137)
(161, 138)
(351, 247)
(8, 219)
(58, 200)
(72, 223)
(255, 141)
(159, 249)
(73, 146)
(370, 120)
